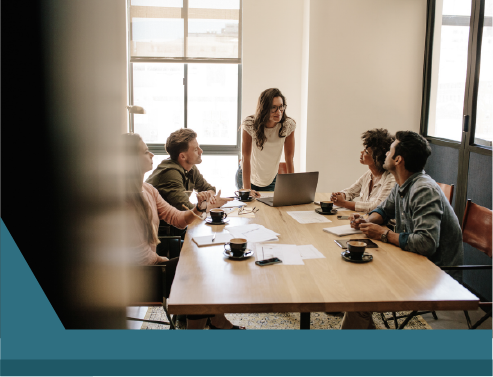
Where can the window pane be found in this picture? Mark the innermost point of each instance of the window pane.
(157, 28)
(213, 29)
(448, 84)
(220, 171)
(484, 116)
(158, 88)
(213, 102)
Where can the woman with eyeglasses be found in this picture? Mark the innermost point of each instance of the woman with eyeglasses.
(145, 208)
(264, 135)
(375, 185)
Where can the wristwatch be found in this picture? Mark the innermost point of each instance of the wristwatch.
(199, 206)
(384, 238)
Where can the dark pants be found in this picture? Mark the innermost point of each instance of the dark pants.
(239, 182)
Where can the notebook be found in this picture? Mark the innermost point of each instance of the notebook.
(220, 239)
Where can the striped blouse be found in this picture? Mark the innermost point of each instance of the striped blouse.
(361, 188)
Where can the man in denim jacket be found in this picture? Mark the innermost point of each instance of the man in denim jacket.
(426, 222)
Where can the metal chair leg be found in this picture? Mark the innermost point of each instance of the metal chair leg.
(396, 323)
(468, 320)
(148, 320)
(406, 321)
(484, 318)
(384, 319)
(434, 314)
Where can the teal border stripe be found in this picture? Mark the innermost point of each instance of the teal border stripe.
(250, 368)
(34, 342)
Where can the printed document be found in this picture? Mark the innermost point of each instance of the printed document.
(253, 233)
(309, 252)
(308, 217)
(289, 254)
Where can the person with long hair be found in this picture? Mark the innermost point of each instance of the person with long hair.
(374, 186)
(146, 207)
(264, 135)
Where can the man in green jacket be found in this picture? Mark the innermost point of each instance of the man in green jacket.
(177, 176)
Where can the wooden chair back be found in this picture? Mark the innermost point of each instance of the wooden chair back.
(477, 227)
(282, 168)
(448, 190)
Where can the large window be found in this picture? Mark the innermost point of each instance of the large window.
(185, 71)
(452, 51)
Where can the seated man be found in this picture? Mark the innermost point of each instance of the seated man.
(177, 176)
(426, 222)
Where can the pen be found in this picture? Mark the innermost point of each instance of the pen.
(213, 237)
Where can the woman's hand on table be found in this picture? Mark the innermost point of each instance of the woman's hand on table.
(338, 198)
(254, 193)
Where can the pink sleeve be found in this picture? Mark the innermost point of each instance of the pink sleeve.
(169, 213)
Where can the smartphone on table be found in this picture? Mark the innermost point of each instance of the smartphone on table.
(266, 262)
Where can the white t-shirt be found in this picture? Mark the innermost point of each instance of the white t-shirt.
(265, 163)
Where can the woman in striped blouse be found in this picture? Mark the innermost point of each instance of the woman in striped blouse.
(375, 185)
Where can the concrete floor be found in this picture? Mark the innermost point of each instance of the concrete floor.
(447, 320)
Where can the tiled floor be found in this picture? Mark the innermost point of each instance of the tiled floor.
(447, 320)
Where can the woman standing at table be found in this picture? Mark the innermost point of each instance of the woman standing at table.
(264, 135)
(147, 207)
(375, 185)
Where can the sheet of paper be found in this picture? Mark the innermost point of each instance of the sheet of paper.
(308, 217)
(342, 230)
(289, 254)
(234, 203)
(253, 233)
(221, 238)
(309, 252)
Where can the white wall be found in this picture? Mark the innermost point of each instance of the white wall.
(366, 62)
(272, 47)
(364, 70)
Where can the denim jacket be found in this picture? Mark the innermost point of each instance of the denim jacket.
(426, 222)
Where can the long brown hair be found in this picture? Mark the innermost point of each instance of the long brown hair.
(133, 186)
(262, 115)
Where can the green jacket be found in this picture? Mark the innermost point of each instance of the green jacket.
(171, 180)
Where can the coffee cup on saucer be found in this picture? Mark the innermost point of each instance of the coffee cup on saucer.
(243, 194)
(356, 249)
(326, 206)
(237, 246)
(218, 215)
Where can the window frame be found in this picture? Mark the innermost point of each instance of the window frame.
(209, 149)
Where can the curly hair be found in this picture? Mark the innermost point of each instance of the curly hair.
(262, 115)
(379, 140)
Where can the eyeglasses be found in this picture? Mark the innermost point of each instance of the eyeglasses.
(274, 109)
(243, 211)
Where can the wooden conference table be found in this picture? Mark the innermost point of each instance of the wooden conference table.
(206, 282)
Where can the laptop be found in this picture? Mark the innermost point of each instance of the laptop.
(292, 189)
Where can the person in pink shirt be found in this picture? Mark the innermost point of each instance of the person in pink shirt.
(147, 207)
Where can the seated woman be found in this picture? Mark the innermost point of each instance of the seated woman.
(374, 186)
(148, 207)
(264, 136)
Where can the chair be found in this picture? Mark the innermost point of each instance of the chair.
(448, 190)
(282, 168)
(476, 231)
(151, 285)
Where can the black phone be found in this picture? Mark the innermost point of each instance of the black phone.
(340, 217)
(266, 262)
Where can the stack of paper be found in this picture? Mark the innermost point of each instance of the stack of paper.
(289, 254)
(342, 230)
(308, 217)
(253, 233)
